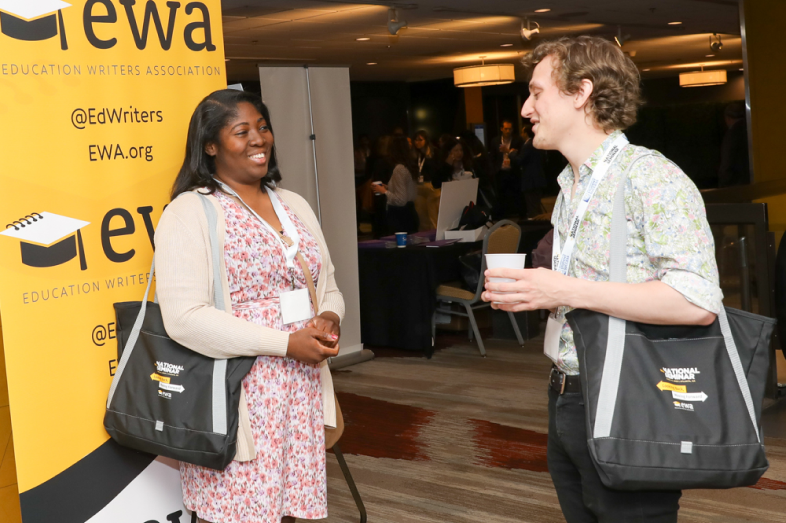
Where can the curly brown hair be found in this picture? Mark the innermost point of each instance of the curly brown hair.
(616, 93)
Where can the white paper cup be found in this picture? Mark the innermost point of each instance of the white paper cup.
(504, 261)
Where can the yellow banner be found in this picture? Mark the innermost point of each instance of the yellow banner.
(95, 100)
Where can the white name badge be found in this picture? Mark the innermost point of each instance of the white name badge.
(551, 341)
(295, 306)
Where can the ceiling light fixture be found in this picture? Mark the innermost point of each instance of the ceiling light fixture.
(371, 63)
(528, 32)
(675, 23)
(542, 10)
(620, 39)
(702, 78)
(506, 45)
(716, 46)
(708, 55)
(480, 75)
(394, 22)
(363, 39)
(644, 70)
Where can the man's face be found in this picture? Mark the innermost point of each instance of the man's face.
(507, 130)
(551, 112)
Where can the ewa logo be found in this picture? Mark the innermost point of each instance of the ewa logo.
(168, 368)
(35, 20)
(683, 406)
(167, 395)
(681, 374)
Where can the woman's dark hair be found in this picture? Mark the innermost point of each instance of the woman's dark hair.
(429, 149)
(466, 154)
(211, 115)
(399, 152)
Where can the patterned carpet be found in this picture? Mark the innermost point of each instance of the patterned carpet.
(460, 438)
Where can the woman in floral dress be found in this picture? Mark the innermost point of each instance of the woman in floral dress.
(279, 471)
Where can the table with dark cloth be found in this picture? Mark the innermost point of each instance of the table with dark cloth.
(398, 292)
(398, 288)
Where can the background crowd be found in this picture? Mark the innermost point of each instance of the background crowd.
(398, 178)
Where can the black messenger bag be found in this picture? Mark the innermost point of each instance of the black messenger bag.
(166, 399)
(672, 407)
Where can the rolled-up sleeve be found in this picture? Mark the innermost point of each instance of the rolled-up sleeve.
(677, 238)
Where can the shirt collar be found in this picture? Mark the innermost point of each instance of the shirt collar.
(565, 179)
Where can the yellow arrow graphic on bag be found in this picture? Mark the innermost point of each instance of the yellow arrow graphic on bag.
(668, 386)
(163, 379)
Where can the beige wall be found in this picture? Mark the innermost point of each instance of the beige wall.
(762, 24)
(473, 104)
(9, 494)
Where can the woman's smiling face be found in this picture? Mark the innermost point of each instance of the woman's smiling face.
(244, 147)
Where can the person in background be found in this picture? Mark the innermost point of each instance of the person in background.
(584, 92)
(734, 165)
(444, 138)
(424, 156)
(507, 177)
(286, 401)
(402, 189)
(529, 162)
(379, 172)
(362, 152)
(455, 163)
(427, 201)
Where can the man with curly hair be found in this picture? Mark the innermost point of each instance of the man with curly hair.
(583, 93)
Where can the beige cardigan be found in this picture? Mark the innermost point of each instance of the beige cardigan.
(184, 284)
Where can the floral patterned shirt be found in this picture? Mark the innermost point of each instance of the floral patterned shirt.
(669, 238)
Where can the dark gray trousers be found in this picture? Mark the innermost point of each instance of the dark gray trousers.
(582, 496)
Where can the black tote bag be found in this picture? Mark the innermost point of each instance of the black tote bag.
(166, 399)
(672, 407)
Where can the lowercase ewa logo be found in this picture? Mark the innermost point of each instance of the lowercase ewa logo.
(47, 239)
(33, 20)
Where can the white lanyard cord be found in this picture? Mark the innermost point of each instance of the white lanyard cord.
(561, 257)
(289, 228)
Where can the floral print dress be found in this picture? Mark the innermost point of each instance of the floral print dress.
(287, 477)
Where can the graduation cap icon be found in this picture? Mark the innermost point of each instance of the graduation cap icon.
(48, 239)
(33, 20)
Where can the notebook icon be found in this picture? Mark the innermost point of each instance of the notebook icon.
(33, 20)
(48, 239)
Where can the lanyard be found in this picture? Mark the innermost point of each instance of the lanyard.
(421, 161)
(561, 258)
(289, 228)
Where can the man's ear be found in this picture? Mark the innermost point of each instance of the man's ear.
(211, 149)
(581, 97)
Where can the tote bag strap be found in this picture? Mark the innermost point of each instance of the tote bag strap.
(615, 345)
(219, 403)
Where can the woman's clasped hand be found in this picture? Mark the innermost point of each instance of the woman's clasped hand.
(317, 341)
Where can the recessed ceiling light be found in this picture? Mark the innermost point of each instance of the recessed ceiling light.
(371, 63)
(709, 55)
(675, 23)
(644, 70)
(363, 39)
(506, 45)
(542, 10)
(742, 68)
